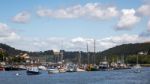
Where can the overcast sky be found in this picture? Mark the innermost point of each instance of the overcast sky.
(38, 25)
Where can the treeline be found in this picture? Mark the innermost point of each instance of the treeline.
(128, 52)
(10, 51)
(128, 49)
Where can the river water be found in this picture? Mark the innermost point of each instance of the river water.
(98, 77)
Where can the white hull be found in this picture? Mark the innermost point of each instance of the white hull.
(62, 70)
(42, 68)
(137, 66)
(53, 71)
(32, 71)
(80, 70)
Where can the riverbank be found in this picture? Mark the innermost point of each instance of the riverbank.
(145, 65)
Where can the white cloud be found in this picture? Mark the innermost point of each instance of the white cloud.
(125, 38)
(128, 19)
(105, 43)
(73, 44)
(6, 34)
(79, 43)
(81, 40)
(22, 17)
(90, 10)
(144, 10)
(148, 25)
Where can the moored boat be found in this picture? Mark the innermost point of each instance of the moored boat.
(91, 67)
(22, 67)
(137, 67)
(33, 70)
(80, 70)
(11, 68)
(62, 69)
(52, 70)
(2, 69)
(42, 67)
(104, 66)
(71, 68)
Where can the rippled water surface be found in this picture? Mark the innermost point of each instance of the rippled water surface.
(98, 77)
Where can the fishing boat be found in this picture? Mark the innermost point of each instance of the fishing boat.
(33, 70)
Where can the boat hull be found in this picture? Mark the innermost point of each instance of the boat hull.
(12, 69)
(32, 73)
(2, 69)
(53, 71)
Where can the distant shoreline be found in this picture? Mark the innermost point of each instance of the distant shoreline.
(145, 65)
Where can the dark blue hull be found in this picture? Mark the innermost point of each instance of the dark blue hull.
(13, 69)
(32, 73)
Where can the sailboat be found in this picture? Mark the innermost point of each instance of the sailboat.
(80, 68)
(91, 67)
(137, 67)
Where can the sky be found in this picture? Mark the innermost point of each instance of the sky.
(72, 24)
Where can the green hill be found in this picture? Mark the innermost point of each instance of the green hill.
(10, 50)
(13, 52)
(128, 49)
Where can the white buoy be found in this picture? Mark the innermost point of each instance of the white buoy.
(17, 74)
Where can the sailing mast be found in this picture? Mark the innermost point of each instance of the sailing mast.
(137, 59)
(61, 52)
(79, 58)
(94, 52)
(88, 54)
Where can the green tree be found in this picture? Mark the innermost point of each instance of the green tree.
(2, 56)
